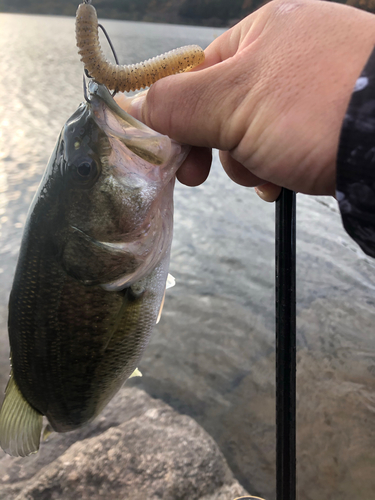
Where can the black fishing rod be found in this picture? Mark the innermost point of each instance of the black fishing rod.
(285, 253)
(285, 238)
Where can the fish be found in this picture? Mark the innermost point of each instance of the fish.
(92, 270)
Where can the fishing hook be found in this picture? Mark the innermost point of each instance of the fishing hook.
(112, 48)
(85, 72)
(113, 52)
(110, 43)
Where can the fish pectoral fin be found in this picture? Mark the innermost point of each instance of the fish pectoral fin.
(20, 424)
(136, 373)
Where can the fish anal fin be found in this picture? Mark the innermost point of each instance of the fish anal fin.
(20, 423)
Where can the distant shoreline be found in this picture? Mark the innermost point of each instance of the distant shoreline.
(149, 18)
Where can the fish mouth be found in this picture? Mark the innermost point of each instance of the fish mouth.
(144, 142)
(97, 90)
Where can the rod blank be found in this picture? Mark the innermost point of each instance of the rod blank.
(286, 346)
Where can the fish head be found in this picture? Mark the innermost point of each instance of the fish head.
(110, 182)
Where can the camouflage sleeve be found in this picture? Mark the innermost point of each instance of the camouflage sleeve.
(355, 187)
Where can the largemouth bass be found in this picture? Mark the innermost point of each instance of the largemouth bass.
(91, 273)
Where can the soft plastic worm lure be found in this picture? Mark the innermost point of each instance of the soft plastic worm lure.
(132, 76)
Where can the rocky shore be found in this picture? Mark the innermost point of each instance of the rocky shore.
(138, 449)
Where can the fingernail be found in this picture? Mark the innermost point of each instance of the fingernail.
(268, 192)
(260, 192)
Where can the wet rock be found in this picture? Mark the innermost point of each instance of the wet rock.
(139, 448)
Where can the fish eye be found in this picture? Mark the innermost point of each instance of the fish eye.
(85, 172)
(84, 169)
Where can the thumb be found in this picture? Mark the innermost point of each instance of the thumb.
(175, 106)
(193, 108)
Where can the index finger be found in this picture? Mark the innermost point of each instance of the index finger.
(230, 42)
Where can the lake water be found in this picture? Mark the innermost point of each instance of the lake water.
(212, 355)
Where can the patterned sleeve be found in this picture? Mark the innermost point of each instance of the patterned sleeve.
(355, 188)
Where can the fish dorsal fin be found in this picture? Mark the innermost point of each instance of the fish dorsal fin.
(20, 424)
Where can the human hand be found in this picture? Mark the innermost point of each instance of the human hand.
(271, 96)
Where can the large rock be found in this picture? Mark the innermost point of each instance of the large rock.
(138, 449)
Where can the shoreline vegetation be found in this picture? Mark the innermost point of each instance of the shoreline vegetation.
(216, 13)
